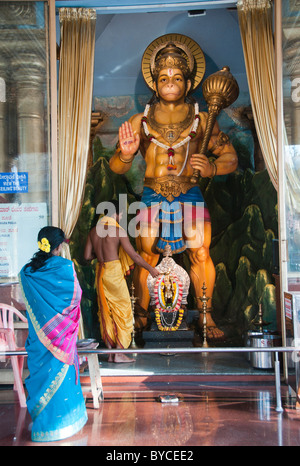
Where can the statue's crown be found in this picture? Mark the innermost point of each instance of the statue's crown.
(171, 51)
(171, 56)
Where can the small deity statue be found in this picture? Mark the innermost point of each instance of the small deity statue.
(168, 292)
(167, 287)
(171, 276)
(169, 135)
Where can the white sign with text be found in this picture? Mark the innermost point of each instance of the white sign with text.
(19, 227)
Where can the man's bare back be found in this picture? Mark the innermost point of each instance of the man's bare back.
(103, 242)
(105, 248)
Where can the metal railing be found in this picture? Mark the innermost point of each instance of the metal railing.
(276, 350)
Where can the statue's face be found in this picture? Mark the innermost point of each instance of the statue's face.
(171, 84)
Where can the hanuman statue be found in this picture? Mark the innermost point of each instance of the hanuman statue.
(169, 135)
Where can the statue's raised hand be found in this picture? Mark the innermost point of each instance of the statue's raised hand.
(128, 140)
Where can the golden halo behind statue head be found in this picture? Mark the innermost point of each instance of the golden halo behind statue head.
(194, 53)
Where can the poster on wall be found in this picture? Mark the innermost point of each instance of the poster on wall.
(14, 182)
(19, 227)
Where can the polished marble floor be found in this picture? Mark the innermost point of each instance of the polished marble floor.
(222, 401)
(181, 364)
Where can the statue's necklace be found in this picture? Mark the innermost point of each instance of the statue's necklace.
(171, 149)
(170, 131)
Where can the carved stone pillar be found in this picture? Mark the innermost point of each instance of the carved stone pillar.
(25, 50)
(292, 60)
(3, 116)
(28, 72)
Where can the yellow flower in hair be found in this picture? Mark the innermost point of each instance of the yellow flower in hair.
(44, 245)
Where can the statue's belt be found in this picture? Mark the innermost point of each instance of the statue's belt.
(169, 186)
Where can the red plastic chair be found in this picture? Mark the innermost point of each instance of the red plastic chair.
(8, 342)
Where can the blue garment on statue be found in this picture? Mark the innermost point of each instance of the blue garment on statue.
(55, 401)
(171, 215)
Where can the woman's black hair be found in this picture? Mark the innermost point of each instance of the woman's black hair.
(55, 237)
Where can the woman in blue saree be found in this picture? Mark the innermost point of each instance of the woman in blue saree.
(52, 296)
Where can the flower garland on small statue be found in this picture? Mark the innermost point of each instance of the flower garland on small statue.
(162, 328)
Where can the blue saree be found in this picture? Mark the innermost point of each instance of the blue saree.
(55, 402)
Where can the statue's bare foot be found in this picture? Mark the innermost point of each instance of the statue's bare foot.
(122, 358)
(213, 333)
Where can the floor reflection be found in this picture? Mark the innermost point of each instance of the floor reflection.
(221, 401)
(228, 416)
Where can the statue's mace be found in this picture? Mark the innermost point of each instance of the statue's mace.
(219, 91)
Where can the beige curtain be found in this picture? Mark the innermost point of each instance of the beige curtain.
(76, 69)
(255, 19)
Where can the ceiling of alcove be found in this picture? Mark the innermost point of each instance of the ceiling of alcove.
(122, 38)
